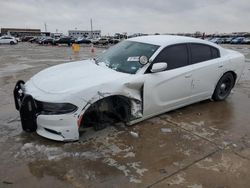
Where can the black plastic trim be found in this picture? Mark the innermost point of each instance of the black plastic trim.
(17, 96)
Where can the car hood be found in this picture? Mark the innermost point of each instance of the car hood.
(74, 76)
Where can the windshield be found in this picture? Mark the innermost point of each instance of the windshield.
(124, 57)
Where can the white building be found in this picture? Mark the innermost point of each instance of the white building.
(81, 33)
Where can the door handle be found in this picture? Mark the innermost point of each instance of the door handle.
(188, 75)
(220, 66)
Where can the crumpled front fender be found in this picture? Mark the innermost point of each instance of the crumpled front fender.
(131, 90)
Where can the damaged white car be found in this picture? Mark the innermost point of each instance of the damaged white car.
(134, 80)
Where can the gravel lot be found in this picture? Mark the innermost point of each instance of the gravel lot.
(206, 144)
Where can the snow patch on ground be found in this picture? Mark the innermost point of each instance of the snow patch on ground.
(179, 179)
(105, 147)
(131, 170)
(32, 151)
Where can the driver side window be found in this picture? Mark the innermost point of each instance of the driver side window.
(175, 56)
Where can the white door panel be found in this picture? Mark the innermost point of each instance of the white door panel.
(5, 41)
(166, 89)
(205, 77)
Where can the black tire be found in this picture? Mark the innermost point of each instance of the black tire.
(223, 87)
(11, 43)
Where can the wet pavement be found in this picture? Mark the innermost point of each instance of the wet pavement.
(202, 145)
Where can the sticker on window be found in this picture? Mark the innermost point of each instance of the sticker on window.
(136, 58)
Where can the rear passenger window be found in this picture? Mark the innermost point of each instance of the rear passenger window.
(175, 56)
(215, 53)
(200, 53)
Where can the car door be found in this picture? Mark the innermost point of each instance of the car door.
(207, 68)
(8, 40)
(5, 40)
(168, 89)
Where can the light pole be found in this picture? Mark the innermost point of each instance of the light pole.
(91, 27)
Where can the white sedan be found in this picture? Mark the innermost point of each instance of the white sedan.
(8, 40)
(132, 81)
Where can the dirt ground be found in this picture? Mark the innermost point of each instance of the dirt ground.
(202, 145)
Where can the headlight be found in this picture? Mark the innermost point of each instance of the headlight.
(55, 108)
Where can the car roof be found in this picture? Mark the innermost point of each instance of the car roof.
(165, 40)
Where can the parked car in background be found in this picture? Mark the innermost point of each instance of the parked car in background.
(136, 79)
(138, 34)
(208, 38)
(227, 40)
(64, 40)
(46, 40)
(102, 41)
(8, 40)
(114, 41)
(237, 40)
(217, 40)
(18, 39)
(246, 41)
(26, 38)
(82, 40)
(95, 40)
(34, 39)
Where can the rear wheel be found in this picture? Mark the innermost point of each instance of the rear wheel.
(223, 87)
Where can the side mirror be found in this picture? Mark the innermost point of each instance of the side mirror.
(158, 67)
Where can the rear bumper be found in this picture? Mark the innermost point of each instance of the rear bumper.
(61, 127)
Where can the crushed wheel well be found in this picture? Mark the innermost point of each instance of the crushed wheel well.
(106, 111)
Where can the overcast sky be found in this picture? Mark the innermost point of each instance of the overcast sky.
(132, 16)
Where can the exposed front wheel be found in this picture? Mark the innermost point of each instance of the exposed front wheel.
(223, 87)
(107, 111)
(11, 43)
